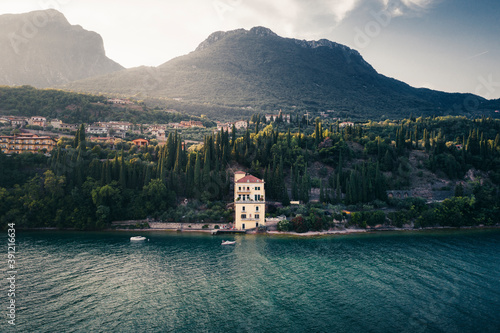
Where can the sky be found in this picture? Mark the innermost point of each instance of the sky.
(447, 45)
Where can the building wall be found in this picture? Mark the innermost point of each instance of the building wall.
(19, 144)
(255, 215)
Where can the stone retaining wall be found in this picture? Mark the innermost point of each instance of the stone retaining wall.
(184, 226)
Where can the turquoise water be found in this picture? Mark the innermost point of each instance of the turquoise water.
(184, 282)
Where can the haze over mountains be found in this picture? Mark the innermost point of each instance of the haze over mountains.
(252, 69)
(42, 49)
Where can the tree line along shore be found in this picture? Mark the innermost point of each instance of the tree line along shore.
(416, 172)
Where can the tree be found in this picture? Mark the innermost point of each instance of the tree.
(197, 172)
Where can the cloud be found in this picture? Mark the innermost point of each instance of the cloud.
(407, 7)
(417, 3)
(340, 9)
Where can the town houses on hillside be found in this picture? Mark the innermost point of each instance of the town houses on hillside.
(228, 127)
(192, 124)
(14, 121)
(346, 124)
(157, 131)
(37, 121)
(96, 130)
(119, 101)
(273, 117)
(118, 128)
(116, 125)
(187, 124)
(58, 124)
(26, 142)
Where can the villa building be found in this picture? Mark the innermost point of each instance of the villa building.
(249, 201)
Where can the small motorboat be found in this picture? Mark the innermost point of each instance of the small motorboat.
(137, 238)
(228, 242)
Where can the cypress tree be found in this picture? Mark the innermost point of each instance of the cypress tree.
(178, 158)
(321, 192)
(147, 175)
(170, 152)
(317, 135)
(233, 135)
(206, 167)
(197, 171)
(295, 190)
(116, 168)
(339, 189)
(123, 176)
(81, 137)
(286, 198)
(427, 144)
(76, 139)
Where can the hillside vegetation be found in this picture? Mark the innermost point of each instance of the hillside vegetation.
(75, 108)
(328, 168)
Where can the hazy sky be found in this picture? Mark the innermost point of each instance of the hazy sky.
(449, 45)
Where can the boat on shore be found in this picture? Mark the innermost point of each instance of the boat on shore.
(228, 242)
(137, 238)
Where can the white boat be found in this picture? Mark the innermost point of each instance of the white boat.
(137, 238)
(228, 242)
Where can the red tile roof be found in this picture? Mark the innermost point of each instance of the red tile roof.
(250, 179)
(240, 172)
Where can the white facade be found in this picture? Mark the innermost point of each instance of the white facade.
(240, 124)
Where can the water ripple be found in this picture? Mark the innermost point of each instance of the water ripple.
(101, 282)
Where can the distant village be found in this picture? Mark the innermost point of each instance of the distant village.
(39, 134)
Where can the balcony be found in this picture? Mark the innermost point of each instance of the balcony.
(249, 201)
(250, 219)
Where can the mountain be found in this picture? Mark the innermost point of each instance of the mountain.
(260, 70)
(42, 49)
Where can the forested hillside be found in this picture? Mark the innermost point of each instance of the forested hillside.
(86, 186)
(75, 108)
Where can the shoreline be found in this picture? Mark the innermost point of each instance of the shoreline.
(283, 233)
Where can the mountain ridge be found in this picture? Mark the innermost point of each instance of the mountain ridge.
(260, 70)
(42, 49)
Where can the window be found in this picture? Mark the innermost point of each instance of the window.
(243, 226)
(243, 216)
(257, 216)
(257, 224)
(243, 209)
(257, 208)
(239, 188)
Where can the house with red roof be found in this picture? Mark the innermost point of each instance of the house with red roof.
(140, 142)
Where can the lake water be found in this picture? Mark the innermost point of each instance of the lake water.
(446, 281)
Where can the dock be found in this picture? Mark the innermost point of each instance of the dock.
(227, 231)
